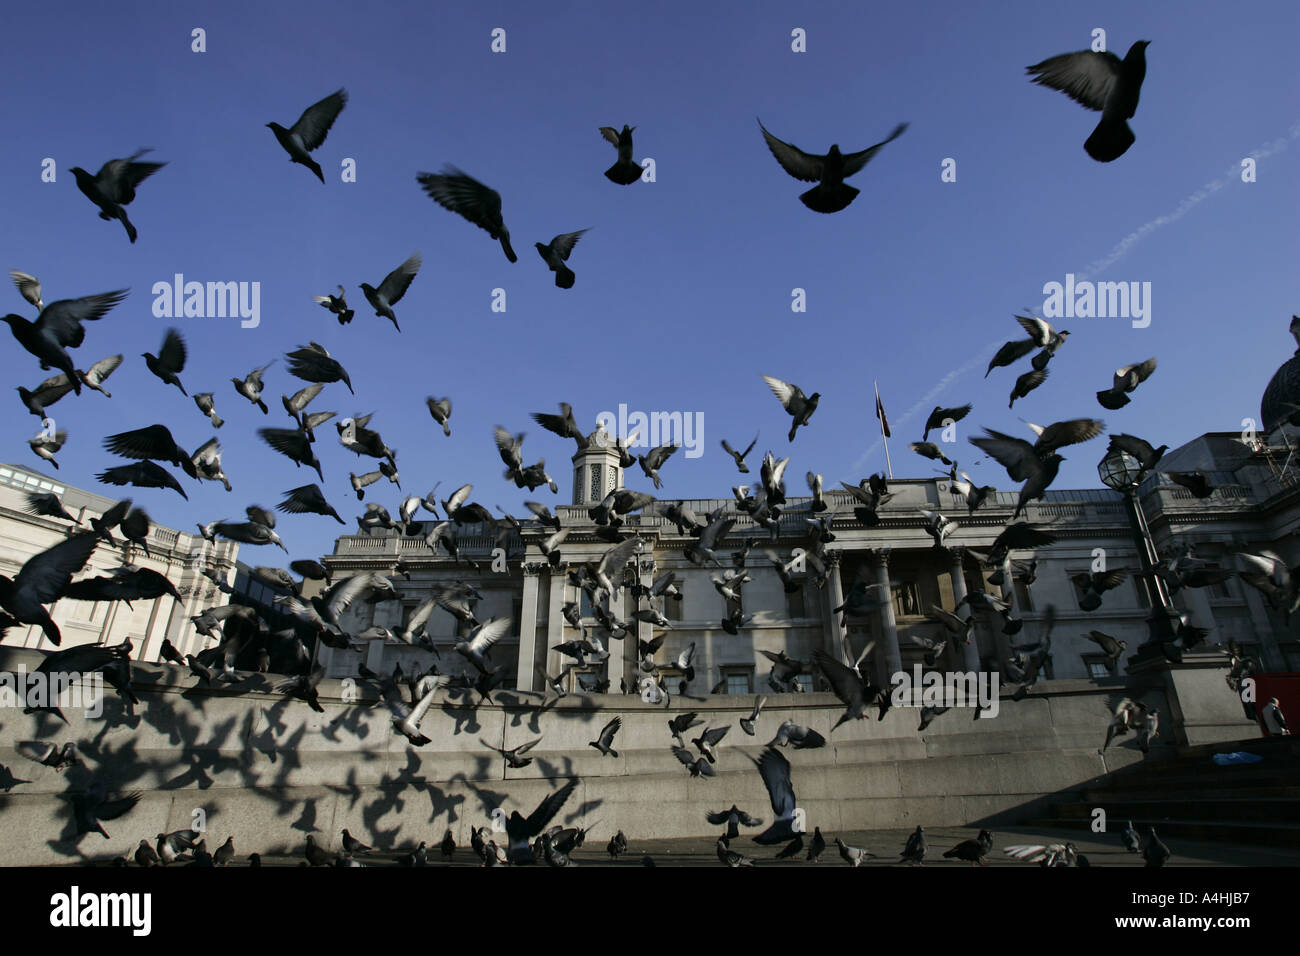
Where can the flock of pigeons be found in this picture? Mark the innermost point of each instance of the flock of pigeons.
(245, 642)
(554, 846)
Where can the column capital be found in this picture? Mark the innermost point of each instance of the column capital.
(646, 565)
(533, 569)
(881, 556)
(833, 558)
(958, 553)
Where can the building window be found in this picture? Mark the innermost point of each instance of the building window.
(596, 496)
(740, 680)
(794, 604)
(1096, 667)
(584, 604)
(907, 599)
(613, 477)
(671, 608)
(1023, 601)
(805, 681)
(517, 611)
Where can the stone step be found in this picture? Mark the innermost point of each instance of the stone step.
(1242, 834)
(1240, 809)
(1099, 796)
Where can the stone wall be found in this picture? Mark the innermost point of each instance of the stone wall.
(269, 770)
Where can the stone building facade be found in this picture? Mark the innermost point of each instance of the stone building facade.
(178, 555)
(1255, 505)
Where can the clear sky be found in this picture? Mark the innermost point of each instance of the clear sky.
(684, 285)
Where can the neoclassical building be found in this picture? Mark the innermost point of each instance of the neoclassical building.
(1255, 505)
(178, 555)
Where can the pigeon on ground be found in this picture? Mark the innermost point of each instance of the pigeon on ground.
(972, 851)
(1154, 851)
(852, 855)
(914, 851)
(816, 846)
(730, 857)
(1132, 839)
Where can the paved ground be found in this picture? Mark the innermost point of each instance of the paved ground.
(1100, 849)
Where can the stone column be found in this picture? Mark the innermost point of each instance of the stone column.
(554, 627)
(832, 623)
(526, 677)
(970, 653)
(623, 654)
(893, 656)
(1003, 642)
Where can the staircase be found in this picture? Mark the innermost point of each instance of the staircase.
(1191, 796)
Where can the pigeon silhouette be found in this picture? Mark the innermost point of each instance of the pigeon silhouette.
(831, 194)
(1104, 82)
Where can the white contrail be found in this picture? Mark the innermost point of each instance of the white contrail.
(1121, 249)
(1205, 192)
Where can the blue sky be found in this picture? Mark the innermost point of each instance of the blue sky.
(683, 285)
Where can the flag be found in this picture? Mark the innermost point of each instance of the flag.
(880, 413)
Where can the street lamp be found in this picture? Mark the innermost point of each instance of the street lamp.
(1122, 472)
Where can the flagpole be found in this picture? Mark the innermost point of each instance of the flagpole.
(889, 465)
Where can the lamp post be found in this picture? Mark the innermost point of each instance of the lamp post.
(1122, 472)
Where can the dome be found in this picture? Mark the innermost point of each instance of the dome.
(1282, 389)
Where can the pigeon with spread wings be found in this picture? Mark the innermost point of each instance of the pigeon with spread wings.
(310, 131)
(1103, 82)
(793, 400)
(464, 195)
(831, 194)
